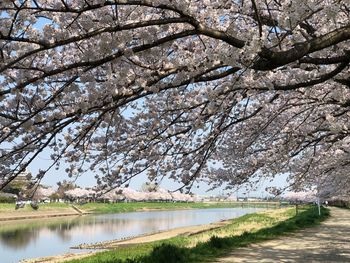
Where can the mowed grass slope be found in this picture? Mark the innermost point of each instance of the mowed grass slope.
(144, 206)
(132, 206)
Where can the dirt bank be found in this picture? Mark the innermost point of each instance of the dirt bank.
(19, 215)
(190, 230)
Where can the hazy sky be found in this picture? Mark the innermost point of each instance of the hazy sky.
(88, 180)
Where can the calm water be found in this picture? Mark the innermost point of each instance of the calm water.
(33, 238)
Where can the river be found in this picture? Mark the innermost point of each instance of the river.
(32, 238)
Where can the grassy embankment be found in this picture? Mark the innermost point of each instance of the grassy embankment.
(132, 207)
(210, 244)
(141, 206)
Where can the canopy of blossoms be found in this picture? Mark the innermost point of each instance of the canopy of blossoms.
(79, 193)
(302, 196)
(134, 195)
(46, 191)
(164, 194)
(182, 197)
(226, 91)
(113, 195)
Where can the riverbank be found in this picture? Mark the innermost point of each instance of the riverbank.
(162, 235)
(8, 212)
(114, 244)
(196, 245)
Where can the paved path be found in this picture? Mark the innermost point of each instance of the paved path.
(328, 242)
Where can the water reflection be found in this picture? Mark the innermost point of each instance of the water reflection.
(19, 235)
(34, 238)
(18, 238)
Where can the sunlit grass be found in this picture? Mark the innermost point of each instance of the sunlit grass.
(132, 206)
(139, 206)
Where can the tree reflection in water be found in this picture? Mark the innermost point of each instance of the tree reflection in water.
(51, 236)
(18, 236)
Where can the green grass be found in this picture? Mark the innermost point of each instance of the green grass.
(219, 246)
(256, 228)
(132, 207)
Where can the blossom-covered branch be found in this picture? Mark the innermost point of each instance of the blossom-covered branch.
(167, 88)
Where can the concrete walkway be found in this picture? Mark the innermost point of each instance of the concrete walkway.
(328, 242)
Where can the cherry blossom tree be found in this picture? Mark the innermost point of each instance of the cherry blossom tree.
(168, 88)
(149, 187)
(115, 195)
(79, 193)
(43, 193)
(303, 196)
(133, 195)
(164, 195)
(180, 197)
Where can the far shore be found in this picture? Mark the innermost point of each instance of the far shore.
(45, 213)
(8, 212)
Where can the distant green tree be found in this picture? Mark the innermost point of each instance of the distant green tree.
(18, 185)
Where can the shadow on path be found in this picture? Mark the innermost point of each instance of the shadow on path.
(328, 242)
